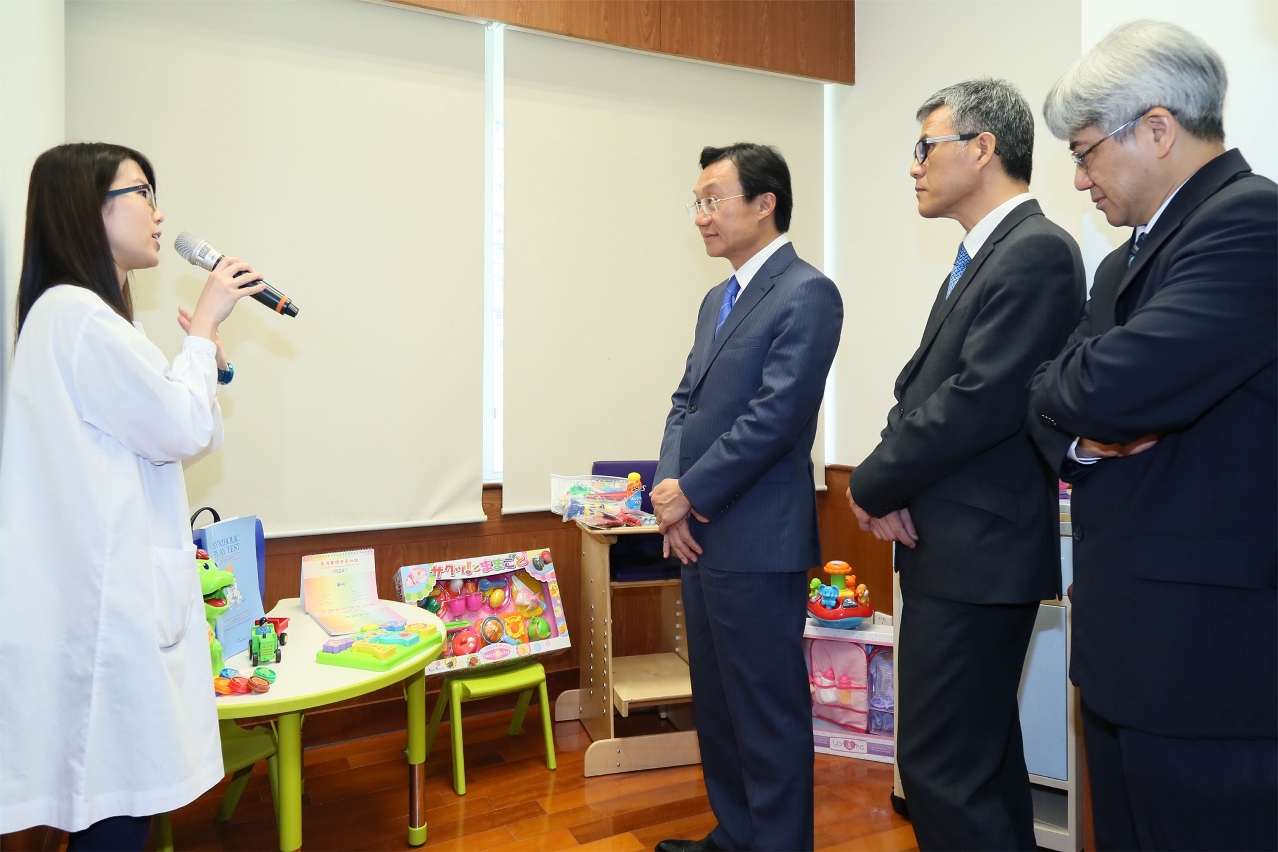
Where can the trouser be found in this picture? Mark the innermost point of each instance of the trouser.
(1155, 792)
(959, 747)
(113, 834)
(752, 705)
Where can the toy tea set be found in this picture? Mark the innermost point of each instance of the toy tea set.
(495, 608)
(843, 604)
(603, 502)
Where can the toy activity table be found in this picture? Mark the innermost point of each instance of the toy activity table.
(303, 684)
(612, 684)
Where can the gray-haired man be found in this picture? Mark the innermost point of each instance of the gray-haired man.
(957, 482)
(1161, 411)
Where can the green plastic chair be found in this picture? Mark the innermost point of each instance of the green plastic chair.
(241, 750)
(467, 686)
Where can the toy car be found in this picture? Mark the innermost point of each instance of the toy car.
(264, 643)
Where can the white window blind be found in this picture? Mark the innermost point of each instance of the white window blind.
(339, 147)
(604, 269)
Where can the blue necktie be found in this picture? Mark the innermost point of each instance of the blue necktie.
(960, 266)
(1136, 244)
(729, 299)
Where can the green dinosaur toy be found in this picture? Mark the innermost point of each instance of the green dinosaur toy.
(214, 583)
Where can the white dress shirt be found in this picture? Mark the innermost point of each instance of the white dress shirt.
(981, 230)
(751, 267)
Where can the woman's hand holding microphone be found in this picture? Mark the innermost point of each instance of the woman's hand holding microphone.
(221, 291)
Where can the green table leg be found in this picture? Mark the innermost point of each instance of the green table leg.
(288, 729)
(415, 693)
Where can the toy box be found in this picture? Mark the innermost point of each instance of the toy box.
(496, 608)
(851, 678)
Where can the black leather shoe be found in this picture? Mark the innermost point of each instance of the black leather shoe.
(703, 845)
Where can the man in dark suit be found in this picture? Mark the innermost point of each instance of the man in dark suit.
(956, 480)
(1161, 411)
(736, 500)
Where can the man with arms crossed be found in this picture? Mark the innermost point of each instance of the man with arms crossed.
(736, 500)
(1161, 411)
(957, 482)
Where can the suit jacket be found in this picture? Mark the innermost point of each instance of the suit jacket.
(956, 451)
(1176, 551)
(741, 424)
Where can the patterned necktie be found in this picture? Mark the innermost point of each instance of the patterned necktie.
(729, 299)
(960, 266)
(1136, 244)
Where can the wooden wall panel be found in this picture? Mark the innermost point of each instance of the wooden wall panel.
(636, 612)
(806, 38)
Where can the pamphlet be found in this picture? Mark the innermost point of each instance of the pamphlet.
(236, 545)
(339, 591)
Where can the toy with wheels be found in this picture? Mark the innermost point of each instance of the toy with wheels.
(264, 643)
(840, 604)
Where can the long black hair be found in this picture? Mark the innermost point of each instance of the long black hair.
(66, 241)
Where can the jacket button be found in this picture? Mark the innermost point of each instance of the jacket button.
(1078, 532)
(692, 409)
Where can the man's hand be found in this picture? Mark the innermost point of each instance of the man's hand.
(680, 542)
(894, 526)
(669, 504)
(1089, 449)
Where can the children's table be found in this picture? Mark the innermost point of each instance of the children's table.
(303, 684)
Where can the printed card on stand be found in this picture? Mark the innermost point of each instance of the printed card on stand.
(339, 591)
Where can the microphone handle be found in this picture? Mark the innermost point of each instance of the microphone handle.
(274, 299)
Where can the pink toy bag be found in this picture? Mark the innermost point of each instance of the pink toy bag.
(839, 674)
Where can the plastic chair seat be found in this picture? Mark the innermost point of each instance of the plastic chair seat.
(241, 750)
(465, 686)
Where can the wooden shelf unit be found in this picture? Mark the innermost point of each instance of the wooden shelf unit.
(614, 685)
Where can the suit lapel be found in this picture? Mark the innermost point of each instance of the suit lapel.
(943, 306)
(753, 294)
(1205, 183)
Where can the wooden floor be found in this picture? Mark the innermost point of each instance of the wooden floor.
(356, 798)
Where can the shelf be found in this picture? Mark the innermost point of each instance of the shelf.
(618, 530)
(869, 634)
(642, 584)
(649, 679)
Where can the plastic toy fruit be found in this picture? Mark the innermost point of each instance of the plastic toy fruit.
(465, 642)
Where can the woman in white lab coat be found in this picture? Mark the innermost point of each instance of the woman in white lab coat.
(107, 711)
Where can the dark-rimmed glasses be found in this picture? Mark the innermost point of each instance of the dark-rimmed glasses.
(924, 146)
(148, 192)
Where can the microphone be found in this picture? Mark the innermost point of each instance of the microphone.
(198, 252)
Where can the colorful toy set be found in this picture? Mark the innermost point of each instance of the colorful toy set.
(231, 682)
(592, 496)
(379, 647)
(495, 608)
(842, 604)
(852, 704)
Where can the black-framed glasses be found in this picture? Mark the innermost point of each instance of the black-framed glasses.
(148, 192)
(1079, 158)
(924, 146)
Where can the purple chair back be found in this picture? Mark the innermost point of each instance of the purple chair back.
(646, 469)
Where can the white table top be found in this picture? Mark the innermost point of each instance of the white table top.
(301, 683)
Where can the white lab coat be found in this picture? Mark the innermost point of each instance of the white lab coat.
(106, 694)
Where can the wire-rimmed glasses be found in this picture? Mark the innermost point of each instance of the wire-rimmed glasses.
(708, 206)
(1079, 158)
